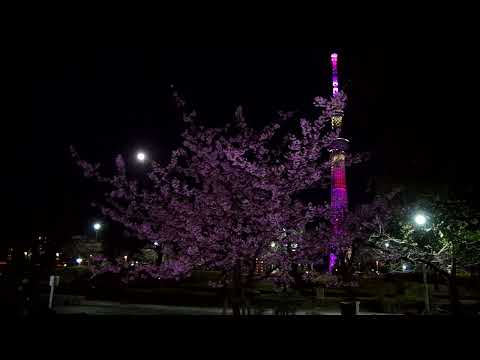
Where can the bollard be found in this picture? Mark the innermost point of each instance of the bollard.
(54, 281)
(350, 308)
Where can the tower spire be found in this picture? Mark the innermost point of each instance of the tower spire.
(337, 119)
(339, 198)
(335, 82)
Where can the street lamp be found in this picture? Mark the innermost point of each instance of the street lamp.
(97, 227)
(420, 220)
(79, 261)
(141, 156)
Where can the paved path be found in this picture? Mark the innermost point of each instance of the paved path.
(101, 308)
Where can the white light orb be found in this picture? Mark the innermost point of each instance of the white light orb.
(141, 156)
(420, 219)
(97, 226)
(79, 261)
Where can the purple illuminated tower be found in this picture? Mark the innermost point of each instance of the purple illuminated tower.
(339, 199)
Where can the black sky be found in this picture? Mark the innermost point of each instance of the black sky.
(404, 109)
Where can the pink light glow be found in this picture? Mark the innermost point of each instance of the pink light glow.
(332, 262)
(339, 199)
(339, 184)
(335, 81)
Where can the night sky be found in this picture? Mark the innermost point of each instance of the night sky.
(105, 101)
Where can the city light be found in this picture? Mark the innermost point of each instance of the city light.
(273, 245)
(57, 254)
(79, 261)
(404, 267)
(97, 226)
(155, 243)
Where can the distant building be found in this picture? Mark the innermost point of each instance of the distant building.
(82, 247)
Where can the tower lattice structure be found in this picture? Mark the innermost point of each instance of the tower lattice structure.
(339, 193)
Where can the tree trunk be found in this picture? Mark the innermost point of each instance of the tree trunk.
(159, 257)
(453, 289)
(426, 291)
(236, 296)
(436, 280)
(225, 300)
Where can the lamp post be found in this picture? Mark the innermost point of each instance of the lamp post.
(97, 227)
(421, 220)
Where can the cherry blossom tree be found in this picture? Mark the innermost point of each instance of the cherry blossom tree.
(446, 239)
(229, 197)
(353, 242)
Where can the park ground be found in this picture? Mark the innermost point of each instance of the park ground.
(394, 295)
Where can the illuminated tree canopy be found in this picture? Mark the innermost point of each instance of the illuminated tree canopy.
(227, 194)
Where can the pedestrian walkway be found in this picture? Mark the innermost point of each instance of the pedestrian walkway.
(105, 308)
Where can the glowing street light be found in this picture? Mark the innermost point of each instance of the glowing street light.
(420, 219)
(404, 267)
(97, 227)
(141, 156)
(79, 261)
